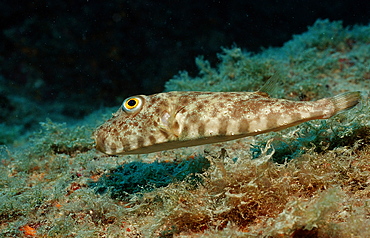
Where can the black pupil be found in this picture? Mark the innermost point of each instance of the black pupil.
(131, 103)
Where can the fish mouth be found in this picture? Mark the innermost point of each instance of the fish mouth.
(105, 148)
(99, 146)
(99, 142)
(108, 143)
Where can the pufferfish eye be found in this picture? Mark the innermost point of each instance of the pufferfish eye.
(132, 104)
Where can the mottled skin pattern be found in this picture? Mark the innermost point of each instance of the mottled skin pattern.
(176, 119)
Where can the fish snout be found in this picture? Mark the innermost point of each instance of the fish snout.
(105, 142)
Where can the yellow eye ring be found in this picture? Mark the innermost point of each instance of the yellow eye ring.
(132, 104)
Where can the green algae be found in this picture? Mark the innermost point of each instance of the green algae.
(326, 59)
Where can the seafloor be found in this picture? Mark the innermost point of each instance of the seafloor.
(310, 180)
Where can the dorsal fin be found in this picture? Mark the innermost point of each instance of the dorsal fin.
(271, 85)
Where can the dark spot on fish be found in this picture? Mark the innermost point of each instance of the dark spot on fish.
(127, 133)
(243, 126)
(185, 130)
(101, 130)
(164, 104)
(182, 110)
(227, 96)
(140, 141)
(200, 106)
(223, 127)
(152, 139)
(272, 120)
(165, 134)
(201, 129)
(237, 111)
(175, 126)
(123, 141)
(184, 100)
(153, 100)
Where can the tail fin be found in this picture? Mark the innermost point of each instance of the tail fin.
(346, 100)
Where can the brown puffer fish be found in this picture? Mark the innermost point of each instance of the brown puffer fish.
(164, 121)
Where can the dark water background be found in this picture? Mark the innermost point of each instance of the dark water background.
(65, 59)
